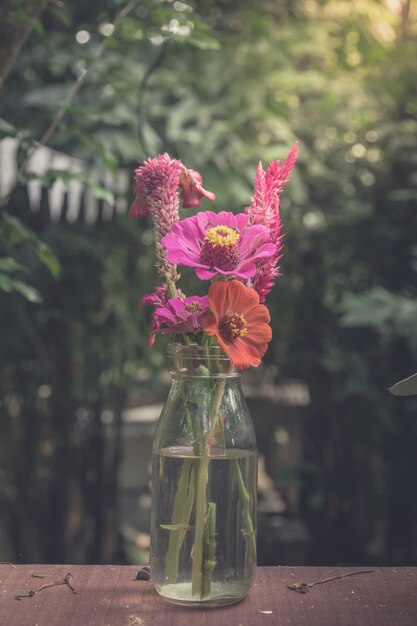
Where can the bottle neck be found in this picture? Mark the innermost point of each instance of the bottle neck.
(195, 361)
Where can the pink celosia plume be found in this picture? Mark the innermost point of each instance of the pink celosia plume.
(264, 209)
(157, 193)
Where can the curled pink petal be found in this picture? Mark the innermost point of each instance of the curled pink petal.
(159, 297)
(192, 188)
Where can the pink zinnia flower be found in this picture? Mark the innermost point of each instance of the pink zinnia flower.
(218, 243)
(182, 316)
(157, 193)
(264, 209)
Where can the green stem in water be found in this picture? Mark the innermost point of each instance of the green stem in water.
(209, 549)
(201, 486)
(200, 522)
(249, 530)
(184, 500)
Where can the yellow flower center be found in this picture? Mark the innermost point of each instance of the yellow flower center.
(232, 326)
(222, 236)
(192, 307)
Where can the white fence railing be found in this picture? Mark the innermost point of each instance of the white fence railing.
(78, 193)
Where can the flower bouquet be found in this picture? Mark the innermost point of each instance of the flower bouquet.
(204, 473)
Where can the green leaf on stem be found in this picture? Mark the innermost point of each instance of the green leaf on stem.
(176, 526)
(406, 387)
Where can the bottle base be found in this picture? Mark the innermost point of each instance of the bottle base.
(221, 594)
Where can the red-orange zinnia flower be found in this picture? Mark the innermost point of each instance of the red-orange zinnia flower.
(239, 322)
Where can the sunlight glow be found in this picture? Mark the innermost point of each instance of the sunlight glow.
(394, 5)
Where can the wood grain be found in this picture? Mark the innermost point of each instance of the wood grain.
(110, 595)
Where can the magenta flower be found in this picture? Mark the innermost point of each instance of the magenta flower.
(218, 243)
(264, 209)
(182, 316)
(157, 193)
(158, 298)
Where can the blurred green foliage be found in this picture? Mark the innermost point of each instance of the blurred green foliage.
(220, 85)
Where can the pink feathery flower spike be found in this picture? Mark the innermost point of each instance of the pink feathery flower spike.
(264, 209)
(157, 193)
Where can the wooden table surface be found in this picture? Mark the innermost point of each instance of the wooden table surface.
(111, 596)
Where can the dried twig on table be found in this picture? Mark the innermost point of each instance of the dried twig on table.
(305, 587)
(68, 580)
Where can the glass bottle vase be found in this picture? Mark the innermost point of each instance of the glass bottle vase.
(204, 483)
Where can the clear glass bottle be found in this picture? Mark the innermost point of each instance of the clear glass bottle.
(204, 483)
